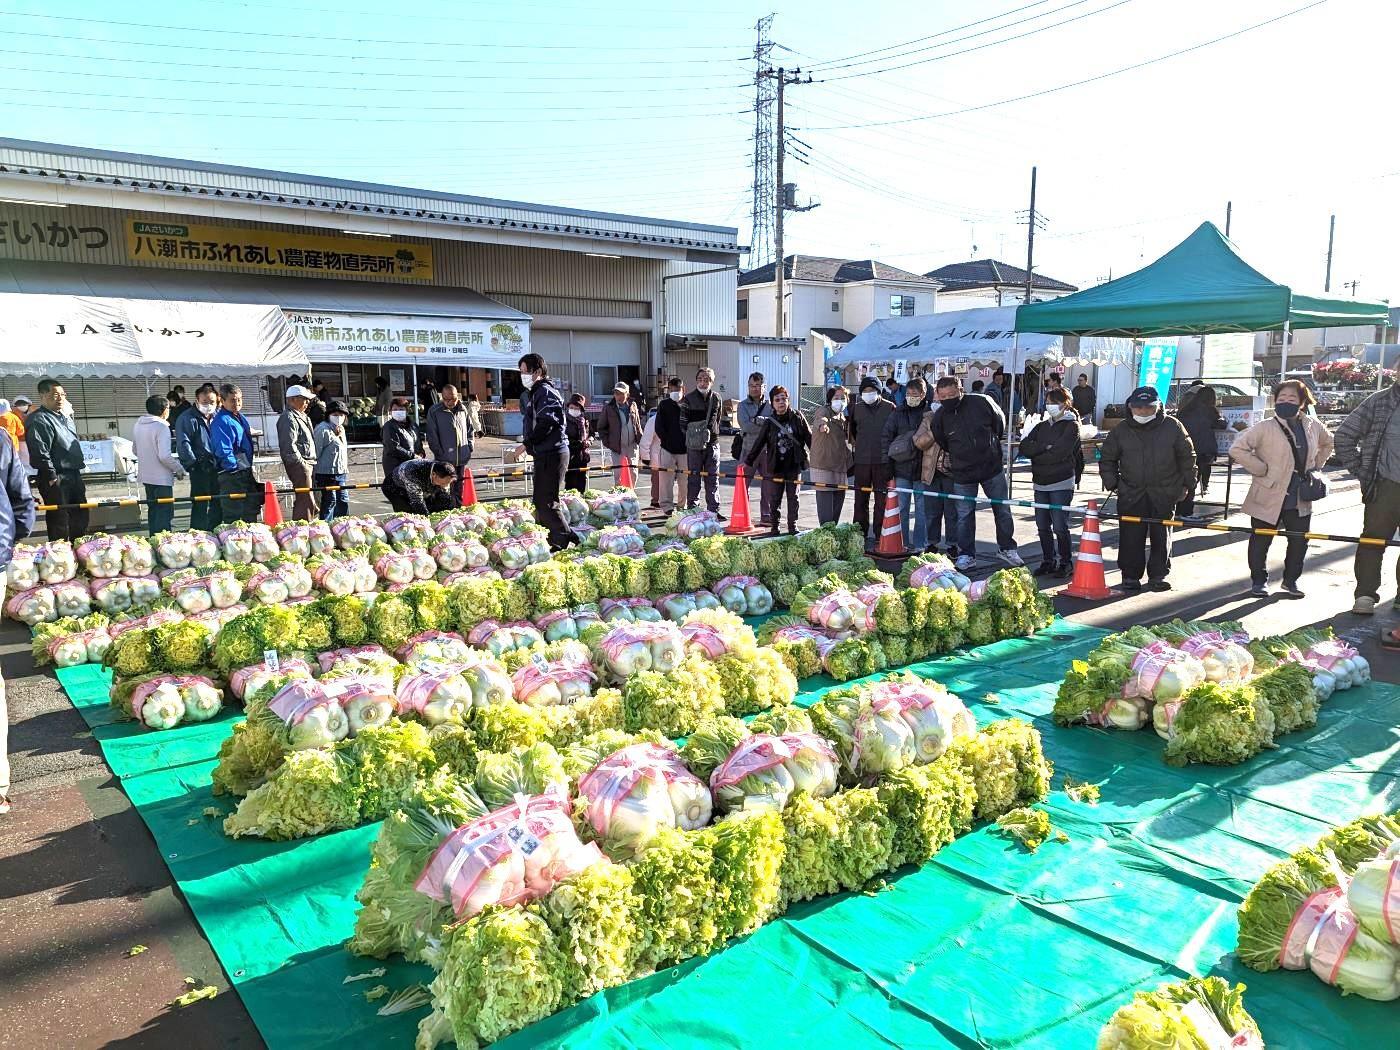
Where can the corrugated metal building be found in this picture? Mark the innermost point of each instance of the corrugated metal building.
(595, 293)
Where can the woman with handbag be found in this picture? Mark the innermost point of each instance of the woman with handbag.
(832, 458)
(1284, 455)
(907, 464)
(785, 439)
(941, 513)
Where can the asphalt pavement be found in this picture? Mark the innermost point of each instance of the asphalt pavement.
(82, 883)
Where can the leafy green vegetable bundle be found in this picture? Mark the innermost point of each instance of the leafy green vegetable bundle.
(1194, 1014)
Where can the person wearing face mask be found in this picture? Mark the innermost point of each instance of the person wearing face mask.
(156, 465)
(1199, 413)
(196, 455)
(906, 461)
(670, 443)
(543, 428)
(1055, 448)
(421, 486)
(231, 438)
(871, 473)
(576, 430)
(56, 454)
(784, 440)
(971, 427)
(752, 411)
(941, 514)
(448, 429)
(333, 462)
(1150, 462)
(700, 409)
(401, 443)
(832, 459)
(296, 445)
(1282, 454)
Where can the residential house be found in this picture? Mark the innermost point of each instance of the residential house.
(987, 282)
(1315, 345)
(826, 301)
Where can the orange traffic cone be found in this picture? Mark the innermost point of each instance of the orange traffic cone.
(468, 488)
(272, 510)
(1088, 579)
(891, 543)
(739, 507)
(624, 474)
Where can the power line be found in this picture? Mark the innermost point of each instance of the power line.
(473, 19)
(980, 47)
(1086, 80)
(374, 40)
(820, 63)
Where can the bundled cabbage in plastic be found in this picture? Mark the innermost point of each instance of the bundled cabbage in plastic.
(236, 544)
(500, 638)
(393, 566)
(248, 680)
(368, 700)
(1162, 673)
(205, 551)
(137, 557)
(618, 539)
(408, 530)
(335, 575)
(450, 554)
(356, 532)
(934, 571)
(695, 524)
(319, 537)
(295, 576)
(425, 566)
(871, 735)
(435, 696)
(294, 538)
(440, 646)
(174, 550)
(265, 546)
(548, 683)
(1194, 1014)
(34, 606)
(573, 507)
(628, 648)
(164, 701)
(311, 717)
(22, 573)
(744, 595)
(1224, 660)
(266, 586)
(72, 598)
(511, 552)
(935, 716)
(629, 610)
(634, 793)
(55, 562)
(1374, 895)
(1346, 666)
(196, 593)
(765, 770)
(515, 854)
(101, 555)
(827, 604)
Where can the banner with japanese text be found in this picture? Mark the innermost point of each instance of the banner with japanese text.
(283, 251)
(384, 339)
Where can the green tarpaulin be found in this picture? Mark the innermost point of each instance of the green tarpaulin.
(986, 946)
(1200, 287)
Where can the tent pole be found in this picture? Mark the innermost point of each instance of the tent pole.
(1011, 409)
(1283, 361)
(413, 396)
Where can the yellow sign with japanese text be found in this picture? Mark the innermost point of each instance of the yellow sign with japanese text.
(302, 254)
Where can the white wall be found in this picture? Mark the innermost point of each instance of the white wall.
(809, 306)
(703, 304)
(762, 310)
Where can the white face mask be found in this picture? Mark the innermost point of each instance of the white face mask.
(399, 414)
(870, 397)
(838, 405)
(1054, 411)
(67, 409)
(527, 379)
(675, 395)
(1144, 419)
(337, 420)
(207, 410)
(575, 412)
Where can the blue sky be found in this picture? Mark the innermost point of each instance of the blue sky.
(644, 108)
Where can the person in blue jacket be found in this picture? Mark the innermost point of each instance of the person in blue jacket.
(543, 434)
(231, 439)
(197, 457)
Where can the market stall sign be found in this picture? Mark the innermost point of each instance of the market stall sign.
(232, 248)
(472, 342)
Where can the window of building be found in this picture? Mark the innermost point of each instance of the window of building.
(836, 308)
(900, 306)
(604, 379)
(741, 310)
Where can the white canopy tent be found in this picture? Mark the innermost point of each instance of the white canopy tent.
(981, 336)
(92, 337)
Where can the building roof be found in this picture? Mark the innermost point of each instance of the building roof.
(989, 273)
(832, 271)
(836, 335)
(163, 177)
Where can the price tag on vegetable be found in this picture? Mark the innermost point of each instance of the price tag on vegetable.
(521, 839)
(271, 660)
(541, 664)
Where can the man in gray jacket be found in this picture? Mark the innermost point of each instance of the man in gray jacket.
(752, 412)
(1368, 445)
(448, 429)
(56, 453)
(296, 445)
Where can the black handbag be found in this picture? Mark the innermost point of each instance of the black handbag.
(1312, 486)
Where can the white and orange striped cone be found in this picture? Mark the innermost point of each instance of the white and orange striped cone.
(1088, 579)
(891, 543)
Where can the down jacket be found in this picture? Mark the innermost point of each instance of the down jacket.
(1150, 462)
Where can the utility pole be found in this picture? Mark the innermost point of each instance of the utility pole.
(1229, 208)
(1033, 220)
(1331, 235)
(785, 200)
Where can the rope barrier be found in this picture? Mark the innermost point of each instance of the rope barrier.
(1190, 522)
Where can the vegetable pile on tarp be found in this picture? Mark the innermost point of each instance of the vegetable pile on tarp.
(1199, 1013)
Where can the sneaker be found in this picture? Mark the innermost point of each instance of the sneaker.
(965, 562)
(1291, 590)
(1065, 571)
(1130, 586)
(1260, 590)
(1011, 557)
(1364, 605)
(720, 517)
(1046, 568)
(1158, 585)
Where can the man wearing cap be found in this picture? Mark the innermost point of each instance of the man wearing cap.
(620, 424)
(296, 444)
(872, 470)
(1149, 460)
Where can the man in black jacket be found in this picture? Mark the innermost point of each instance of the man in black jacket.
(670, 435)
(421, 486)
(702, 406)
(542, 434)
(906, 460)
(56, 453)
(971, 428)
(1149, 460)
(872, 469)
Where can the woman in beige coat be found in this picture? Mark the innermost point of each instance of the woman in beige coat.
(832, 459)
(1280, 452)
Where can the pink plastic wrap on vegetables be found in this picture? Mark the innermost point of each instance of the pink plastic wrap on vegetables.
(155, 619)
(427, 636)
(705, 638)
(736, 581)
(1293, 955)
(612, 780)
(515, 854)
(238, 680)
(146, 688)
(977, 590)
(330, 659)
(297, 699)
(925, 574)
(762, 751)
